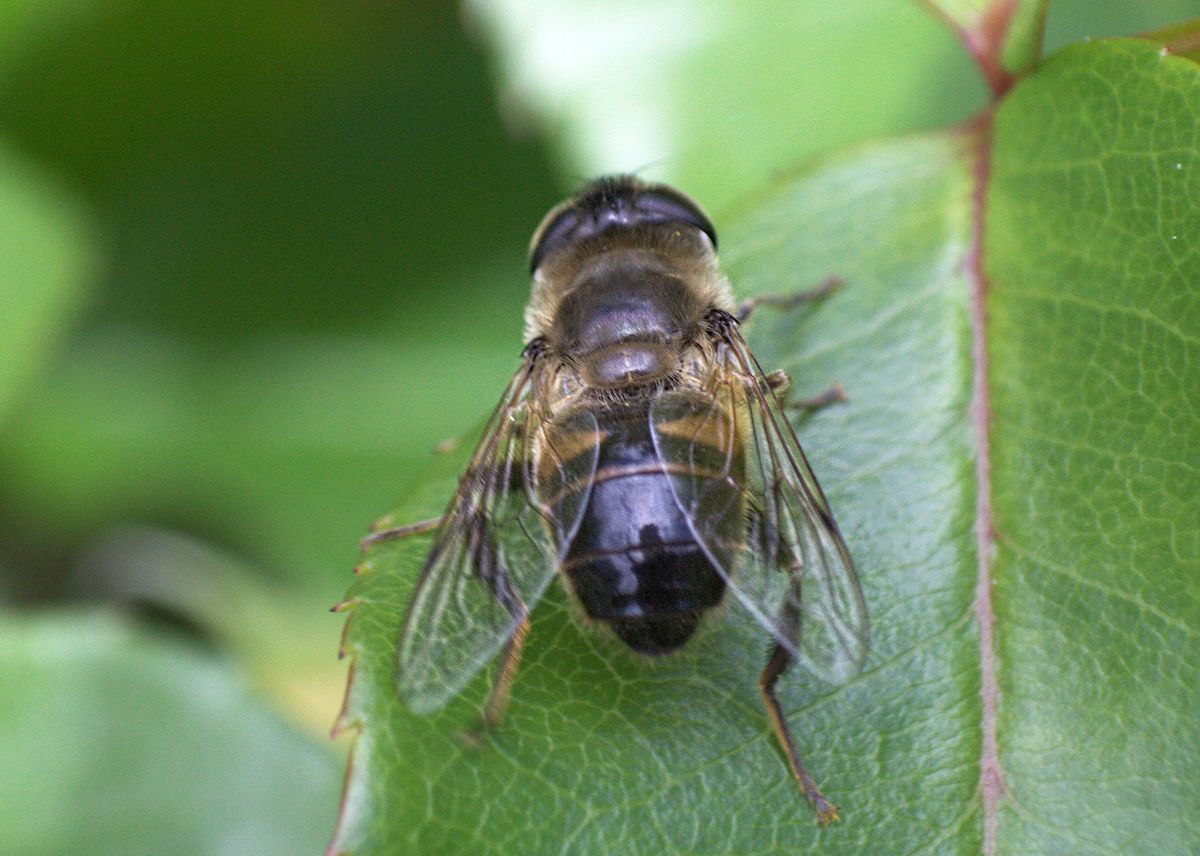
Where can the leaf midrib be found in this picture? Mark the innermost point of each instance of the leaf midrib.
(991, 774)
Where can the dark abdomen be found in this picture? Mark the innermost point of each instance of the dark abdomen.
(634, 562)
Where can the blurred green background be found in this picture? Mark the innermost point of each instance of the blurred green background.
(256, 260)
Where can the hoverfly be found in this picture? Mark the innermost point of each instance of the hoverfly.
(641, 454)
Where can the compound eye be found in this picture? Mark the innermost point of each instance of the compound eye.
(556, 232)
(614, 202)
(664, 204)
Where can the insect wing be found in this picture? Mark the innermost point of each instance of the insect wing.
(493, 555)
(832, 630)
(788, 565)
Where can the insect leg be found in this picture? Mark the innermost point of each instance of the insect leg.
(780, 659)
(497, 700)
(786, 301)
(781, 385)
(400, 532)
(835, 394)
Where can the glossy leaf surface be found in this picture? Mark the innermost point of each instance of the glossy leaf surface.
(601, 748)
(1089, 312)
(1092, 214)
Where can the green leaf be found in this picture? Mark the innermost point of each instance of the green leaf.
(1094, 307)
(1070, 586)
(117, 742)
(46, 253)
(716, 95)
(1004, 36)
(601, 752)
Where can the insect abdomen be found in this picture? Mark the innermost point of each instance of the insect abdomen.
(634, 562)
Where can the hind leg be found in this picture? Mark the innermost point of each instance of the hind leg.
(780, 660)
(497, 701)
(400, 532)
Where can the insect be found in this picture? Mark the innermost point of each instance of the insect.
(642, 455)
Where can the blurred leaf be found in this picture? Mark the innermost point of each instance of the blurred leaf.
(314, 221)
(311, 165)
(1093, 212)
(1004, 36)
(1070, 21)
(1182, 39)
(1095, 564)
(268, 628)
(284, 449)
(717, 96)
(46, 253)
(118, 742)
(21, 21)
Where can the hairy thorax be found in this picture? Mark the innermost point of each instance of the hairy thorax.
(625, 320)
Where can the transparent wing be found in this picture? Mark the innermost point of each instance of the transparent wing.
(495, 551)
(783, 559)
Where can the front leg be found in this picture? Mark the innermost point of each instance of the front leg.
(786, 301)
(834, 394)
(781, 385)
(826, 811)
